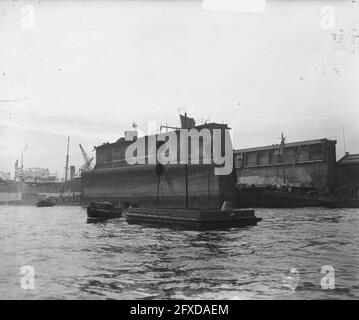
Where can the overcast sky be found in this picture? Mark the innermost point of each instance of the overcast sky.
(90, 69)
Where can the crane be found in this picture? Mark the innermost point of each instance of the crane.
(87, 166)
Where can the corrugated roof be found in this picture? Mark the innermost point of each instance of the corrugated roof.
(286, 145)
(349, 159)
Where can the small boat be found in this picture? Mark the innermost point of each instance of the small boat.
(192, 219)
(44, 203)
(103, 211)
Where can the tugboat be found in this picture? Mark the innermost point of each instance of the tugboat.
(44, 203)
(103, 210)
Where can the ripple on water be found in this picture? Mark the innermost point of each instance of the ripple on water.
(113, 260)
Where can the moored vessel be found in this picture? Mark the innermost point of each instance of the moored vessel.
(192, 219)
(273, 197)
(103, 211)
(178, 185)
(189, 189)
(338, 202)
(44, 203)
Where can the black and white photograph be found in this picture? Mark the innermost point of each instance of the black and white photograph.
(179, 150)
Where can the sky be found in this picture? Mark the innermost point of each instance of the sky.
(89, 69)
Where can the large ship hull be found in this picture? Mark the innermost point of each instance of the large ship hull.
(178, 185)
(140, 185)
(262, 198)
(337, 202)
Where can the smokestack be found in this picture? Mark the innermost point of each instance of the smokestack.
(72, 172)
(67, 159)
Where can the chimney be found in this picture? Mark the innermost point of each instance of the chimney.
(72, 172)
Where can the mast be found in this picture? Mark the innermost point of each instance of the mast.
(22, 160)
(186, 168)
(344, 141)
(67, 159)
(282, 155)
(158, 177)
(22, 166)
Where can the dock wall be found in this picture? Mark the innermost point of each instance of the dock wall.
(30, 193)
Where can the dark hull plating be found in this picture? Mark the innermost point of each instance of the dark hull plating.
(103, 214)
(259, 198)
(191, 219)
(140, 185)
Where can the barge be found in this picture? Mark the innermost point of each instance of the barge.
(192, 219)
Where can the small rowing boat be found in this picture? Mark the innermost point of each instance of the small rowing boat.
(103, 210)
(44, 203)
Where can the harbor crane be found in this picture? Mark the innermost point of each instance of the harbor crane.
(87, 166)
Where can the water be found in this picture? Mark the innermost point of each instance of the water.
(113, 260)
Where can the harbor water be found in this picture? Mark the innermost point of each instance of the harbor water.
(286, 256)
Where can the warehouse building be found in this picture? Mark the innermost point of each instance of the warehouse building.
(306, 163)
(348, 172)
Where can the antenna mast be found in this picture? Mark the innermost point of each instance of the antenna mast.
(22, 160)
(344, 141)
(67, 158)
(281, 154)
(186, 168)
